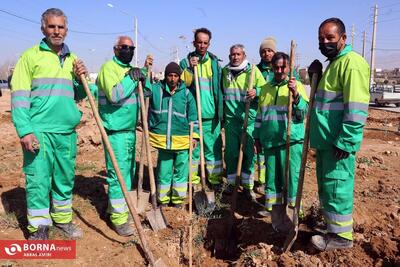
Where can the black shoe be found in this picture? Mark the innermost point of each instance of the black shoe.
(229, 189)
(250, 195)
(264, 213)
(260, 189)
(71, 230)
(178, 206)
(216, 187)
(123, 229)
(330, 242)
(42, 233)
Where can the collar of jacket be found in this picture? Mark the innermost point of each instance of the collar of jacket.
(116, 60)
(201, 59)
(264, 66)
(181, 86)
(284, 82)
(64, 51)
(344, 51)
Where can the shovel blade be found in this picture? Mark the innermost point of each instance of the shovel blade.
(204, 201)
(281, 217)
(156, 219)
(141, 202)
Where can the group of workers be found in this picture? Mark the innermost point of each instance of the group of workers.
(47, 83)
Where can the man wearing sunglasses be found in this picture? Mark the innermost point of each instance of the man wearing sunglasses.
(45, 85)
(119, 108)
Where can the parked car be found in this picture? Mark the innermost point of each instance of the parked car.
(385, 94)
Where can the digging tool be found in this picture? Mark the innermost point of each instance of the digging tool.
(231, 241)
(142, 197)
(280, 215)
(132, 210)
(315, 72)
(190, 196)
(204, 199)
(154, 216)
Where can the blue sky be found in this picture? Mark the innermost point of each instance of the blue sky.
(162, 23)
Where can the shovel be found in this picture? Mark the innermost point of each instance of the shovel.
(131, 207)
(141, 198)
(154, 216)
(204, 199)
(190, 196)
(315, 71)
(229, 245)
(281, 214)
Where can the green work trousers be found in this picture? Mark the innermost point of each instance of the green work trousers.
(50, 171)
(172, 175)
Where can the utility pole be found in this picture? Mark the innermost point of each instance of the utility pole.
(364, 42)
(352, 36)
(136, 43)
(372, 73)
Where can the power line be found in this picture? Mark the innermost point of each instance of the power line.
(74, 31)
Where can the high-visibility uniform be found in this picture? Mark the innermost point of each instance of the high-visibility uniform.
(268, 74)
(235, 89)
(209, 72)
(169, 117)
(119, 109)
(271, 130)
(43, 96)
(338, 118)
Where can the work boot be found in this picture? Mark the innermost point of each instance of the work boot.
(330, 242)
(264, 213)
(178, 206)
(42, 233)
(123, 229)
(260, 189)
(216, 188)
(250, 195)
(70, 230)
(229, 189)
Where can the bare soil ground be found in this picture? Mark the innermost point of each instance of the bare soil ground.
(376, 213)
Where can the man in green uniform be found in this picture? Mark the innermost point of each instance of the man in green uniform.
(119, 109)
(267, 51)
(172, 108)
(209, 72)
(45, 85)
(337, 123)
(235, 80)
(271, 131)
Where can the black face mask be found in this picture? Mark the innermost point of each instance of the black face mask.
(329, 50)
(125, 55)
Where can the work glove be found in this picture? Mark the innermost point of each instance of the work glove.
(339, 153)
(137, 75)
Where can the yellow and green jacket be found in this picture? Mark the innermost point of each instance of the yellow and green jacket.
(170, 115)
(341, 103)
(271, 122)
(44, 90)
(119, 103)
(235, 89)
(209, 72)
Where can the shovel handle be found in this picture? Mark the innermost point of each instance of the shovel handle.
(243, 140)
(198, 100)
(147, 143)
(190, 193)
(143, 240)
(289, 125)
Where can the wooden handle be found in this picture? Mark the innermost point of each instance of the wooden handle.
(289, 124)
(198, 100)
(190, 193)
(243, 140)
(148, 149)
(143, 240)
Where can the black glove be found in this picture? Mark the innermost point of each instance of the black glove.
(137, 75)
(340, 154)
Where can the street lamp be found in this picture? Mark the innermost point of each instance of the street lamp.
(135, 27)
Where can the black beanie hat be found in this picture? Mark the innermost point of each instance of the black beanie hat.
(172, 67)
